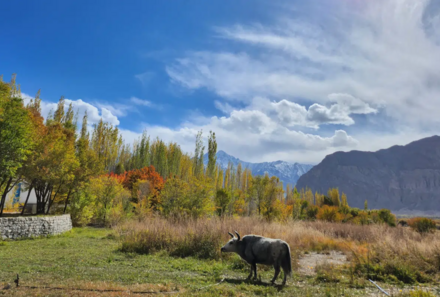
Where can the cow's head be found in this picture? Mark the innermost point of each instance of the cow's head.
(232, 245)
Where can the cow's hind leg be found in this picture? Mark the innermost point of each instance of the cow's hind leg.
(285, 277)
(277, 271)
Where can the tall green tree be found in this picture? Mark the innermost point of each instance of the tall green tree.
(16, 141)
(198, 155)
(212, 151)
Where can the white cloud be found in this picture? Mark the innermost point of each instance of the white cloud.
(141, 102)
(145, 77)
(254, 136)
(94, 113)
(223, 106)
(383, 52)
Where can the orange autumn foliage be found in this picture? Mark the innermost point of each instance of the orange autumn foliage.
(129, 178)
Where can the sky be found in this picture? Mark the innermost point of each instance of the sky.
(275, 80)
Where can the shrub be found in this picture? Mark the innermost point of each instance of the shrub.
(422, 225)
(362, 218)
(312, 212)
(327, 201)
(354, 212)
(110, 199)
(395, 272)
(329, 213)
(81, 207)
(387, 217)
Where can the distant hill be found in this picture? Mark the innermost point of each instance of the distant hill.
(401, 178)
(287, 172)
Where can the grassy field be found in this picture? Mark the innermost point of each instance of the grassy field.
(88, 262)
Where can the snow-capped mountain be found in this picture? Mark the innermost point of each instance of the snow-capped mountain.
(288, 173)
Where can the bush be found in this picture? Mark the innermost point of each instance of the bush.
(422, 225)
(81, 207)
(387, 217)
(329, 213)
(394, 272)
(312, 212)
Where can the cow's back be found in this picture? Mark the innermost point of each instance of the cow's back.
(263, 250)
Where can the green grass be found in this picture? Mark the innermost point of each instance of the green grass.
(89, 258)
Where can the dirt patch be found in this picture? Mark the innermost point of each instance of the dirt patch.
(308, 262)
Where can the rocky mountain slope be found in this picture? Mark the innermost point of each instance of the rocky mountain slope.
(401, 178)
(287, 172)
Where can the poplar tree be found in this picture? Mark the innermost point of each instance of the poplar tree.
(198, 155)
(212, 151)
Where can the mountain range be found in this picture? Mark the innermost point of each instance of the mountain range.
(405, 179)
(287, 172)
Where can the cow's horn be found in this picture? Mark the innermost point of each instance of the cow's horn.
(238, 235)
(231, 234)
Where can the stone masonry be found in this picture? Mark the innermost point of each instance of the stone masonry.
(19, 227)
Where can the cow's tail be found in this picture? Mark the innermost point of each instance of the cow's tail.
(287, 260)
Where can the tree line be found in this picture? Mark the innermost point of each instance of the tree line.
(97, 177)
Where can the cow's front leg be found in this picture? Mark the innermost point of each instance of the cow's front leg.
(250, 274)
(254, 266)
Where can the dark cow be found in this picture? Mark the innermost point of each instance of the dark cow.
(256, 249)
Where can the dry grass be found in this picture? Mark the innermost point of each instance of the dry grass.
(183, 237)
(379, 251)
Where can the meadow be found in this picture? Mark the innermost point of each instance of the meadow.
(157, 256)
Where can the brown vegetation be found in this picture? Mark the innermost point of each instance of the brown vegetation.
(376, 251)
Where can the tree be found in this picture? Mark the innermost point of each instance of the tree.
(198, 155)
(53, 163)
(366, 205)
(187, 199)
(344, 202)
(130, 178)
(309, 196)
(89, 165)
(16, 139)
(269, 205)
(106, 143)
(212, 151)
(333, 194)
(260, 184)
(109, 194)
(222, 200)
(53, 166)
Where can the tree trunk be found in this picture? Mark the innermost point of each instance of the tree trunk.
(42, 198)
(53, 199)
(27, 198)
(67, 199)
(5, 192)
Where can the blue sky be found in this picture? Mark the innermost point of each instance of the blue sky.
(293, 80)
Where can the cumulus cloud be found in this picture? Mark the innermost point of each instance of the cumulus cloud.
(379, 54)
(94, 113)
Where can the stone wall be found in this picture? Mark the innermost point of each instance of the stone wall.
(19, 227)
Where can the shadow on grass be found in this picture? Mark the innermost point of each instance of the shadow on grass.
(257, 283)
